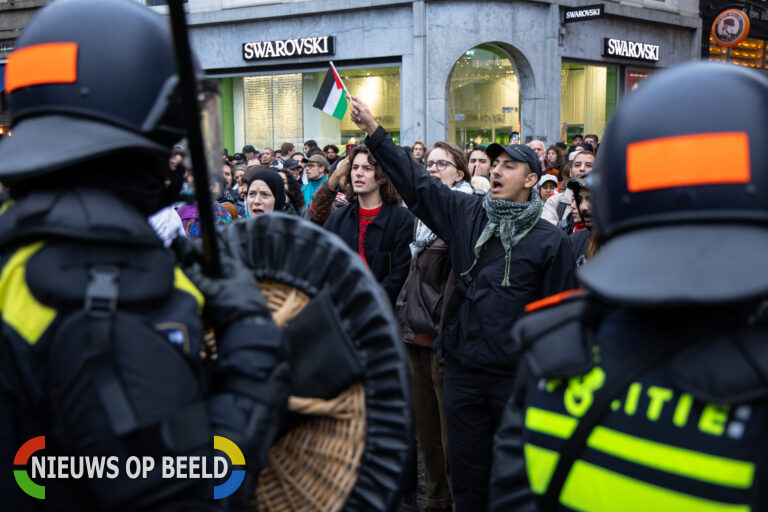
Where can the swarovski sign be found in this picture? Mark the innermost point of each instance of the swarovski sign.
(587, 12)
(631, 50)
(289, 48)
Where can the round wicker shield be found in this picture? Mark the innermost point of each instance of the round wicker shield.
(347, 451)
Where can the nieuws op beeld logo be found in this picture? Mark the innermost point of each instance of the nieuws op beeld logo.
(76, 467)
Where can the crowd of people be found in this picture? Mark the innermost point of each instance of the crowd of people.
(457, 286)
(644, 390)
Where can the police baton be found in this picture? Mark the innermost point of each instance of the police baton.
(189, 92)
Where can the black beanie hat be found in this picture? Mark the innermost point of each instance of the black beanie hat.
(275, 183)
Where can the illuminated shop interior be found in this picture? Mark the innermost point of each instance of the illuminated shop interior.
(271, 109)
(587, 97)
(484, 104)
(749, 53)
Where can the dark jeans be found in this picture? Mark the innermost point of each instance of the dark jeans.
(429, 423)
(474, 401)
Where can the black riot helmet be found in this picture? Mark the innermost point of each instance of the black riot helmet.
(680, 191)
(90, 78)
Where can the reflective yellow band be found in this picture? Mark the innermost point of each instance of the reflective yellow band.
(6, 205)
(663, 457)
(590, 488)
(19, 309)
(540, 464)
(593, 489)
(182, 282)
(688, 463)
(551, 423)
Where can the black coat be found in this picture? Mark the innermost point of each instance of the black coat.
(386, 242)
(542, 264)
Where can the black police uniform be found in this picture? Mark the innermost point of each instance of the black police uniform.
(101, 342)
(684, 432)
(648, 392)
(100, 330)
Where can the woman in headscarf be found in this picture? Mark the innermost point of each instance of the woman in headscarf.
(266, 192)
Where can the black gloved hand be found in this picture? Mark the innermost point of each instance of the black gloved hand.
(232, 297)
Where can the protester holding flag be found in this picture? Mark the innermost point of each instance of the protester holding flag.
(504, 257)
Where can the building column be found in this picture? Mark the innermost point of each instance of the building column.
(413, 81)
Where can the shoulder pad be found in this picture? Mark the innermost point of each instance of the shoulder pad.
(730, 368)
(76, 214)
(557, 336)
(58, 274)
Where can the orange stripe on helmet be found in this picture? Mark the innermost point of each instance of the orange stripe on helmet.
(49, 63)
(703, 159)
(552, 300)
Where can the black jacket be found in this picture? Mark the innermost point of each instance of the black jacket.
(541, 264)
(386, 242)
(660, 419)
(121, 374)
(579, 242)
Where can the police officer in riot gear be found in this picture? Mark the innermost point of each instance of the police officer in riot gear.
(648, 390)
(100, 330)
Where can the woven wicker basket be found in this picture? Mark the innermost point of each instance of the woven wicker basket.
(314, 466)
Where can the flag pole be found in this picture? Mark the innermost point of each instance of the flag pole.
(340, 80)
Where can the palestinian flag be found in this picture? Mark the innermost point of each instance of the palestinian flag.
(332, 96)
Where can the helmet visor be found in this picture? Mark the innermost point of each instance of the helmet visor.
(209, 100)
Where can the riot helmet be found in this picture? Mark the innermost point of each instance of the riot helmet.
(680, 191)
(90, 78)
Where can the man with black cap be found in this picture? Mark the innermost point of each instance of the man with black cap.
(101, 332)
(504, 257)
(649, 391)
(250, 154)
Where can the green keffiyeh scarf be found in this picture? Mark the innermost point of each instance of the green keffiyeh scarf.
(509, 221)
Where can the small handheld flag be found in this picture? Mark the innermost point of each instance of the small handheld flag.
(332, 98)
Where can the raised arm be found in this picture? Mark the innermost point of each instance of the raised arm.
(440, 208)
(321, 206)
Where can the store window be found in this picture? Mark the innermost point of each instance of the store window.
(587, 97)
(379, 88)
(273, 112)
(484, 101)
(279, 108)
(749, 53)
(633, 79)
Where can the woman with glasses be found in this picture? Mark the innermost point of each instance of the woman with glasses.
(419, 310)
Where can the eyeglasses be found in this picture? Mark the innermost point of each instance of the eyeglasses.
(441, 164)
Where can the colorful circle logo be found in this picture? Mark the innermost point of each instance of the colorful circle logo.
(22, 477)
(730, 27)
(237, 476)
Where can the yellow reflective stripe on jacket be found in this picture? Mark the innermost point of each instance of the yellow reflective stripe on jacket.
(4, 207)
(681, 461)
(660, 456)
(540, 464)
(590, 488)
(18, 307)
(594, 489)
(182, 282)
(552, 423)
